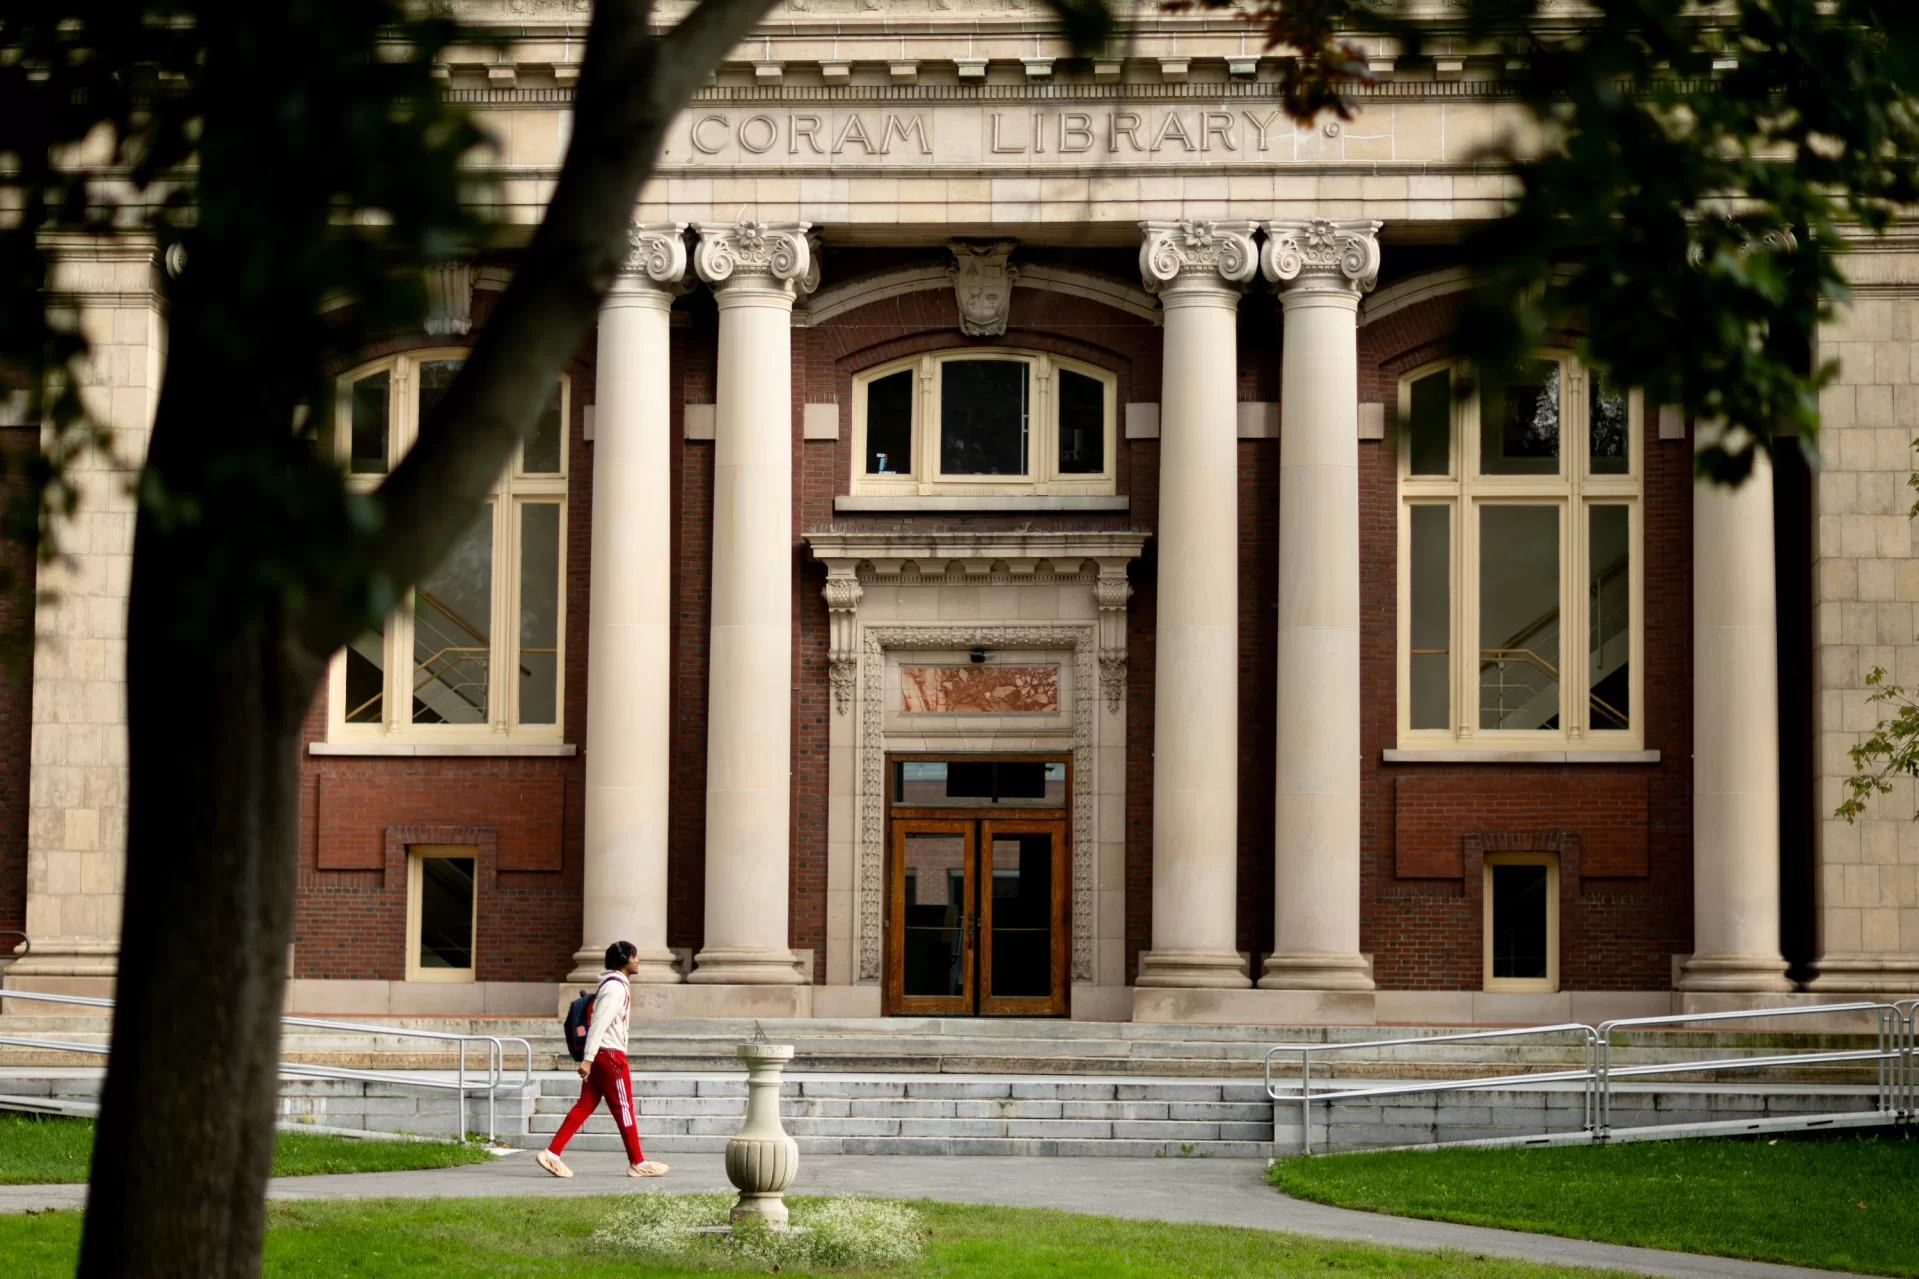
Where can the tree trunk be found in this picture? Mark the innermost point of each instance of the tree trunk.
(185, 1139)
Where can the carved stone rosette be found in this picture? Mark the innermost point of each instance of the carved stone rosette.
(983, 280)
(655, 259)
(776, 255)
(1195, 251)
(1322, 254)
(842, 592)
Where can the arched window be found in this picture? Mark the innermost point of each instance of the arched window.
(475, 653)
(983, 422)
(1520, 597)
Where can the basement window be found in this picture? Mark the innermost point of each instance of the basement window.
(442, 912)
(1522, 922)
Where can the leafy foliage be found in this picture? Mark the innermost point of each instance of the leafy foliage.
(1682, 179)
(275, 184)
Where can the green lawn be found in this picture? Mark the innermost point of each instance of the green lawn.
(1838, 1203)
(552, 1239)
(34, 1151)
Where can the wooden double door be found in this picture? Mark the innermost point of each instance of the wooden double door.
(977, 915)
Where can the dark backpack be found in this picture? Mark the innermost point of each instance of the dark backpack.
(579, 1016)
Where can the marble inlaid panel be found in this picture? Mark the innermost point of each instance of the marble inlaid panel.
(982, 690)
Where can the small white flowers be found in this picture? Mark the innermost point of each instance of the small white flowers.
(835, 1234)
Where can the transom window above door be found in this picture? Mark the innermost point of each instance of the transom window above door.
(1521, 602)
(986, 423)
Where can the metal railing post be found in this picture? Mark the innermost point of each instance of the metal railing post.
(1306, 1103)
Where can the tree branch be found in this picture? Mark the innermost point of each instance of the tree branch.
(632, 86)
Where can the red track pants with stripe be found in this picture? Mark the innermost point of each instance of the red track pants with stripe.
(610, 1079)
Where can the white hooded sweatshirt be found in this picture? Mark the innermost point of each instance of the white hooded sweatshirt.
(612, 1003)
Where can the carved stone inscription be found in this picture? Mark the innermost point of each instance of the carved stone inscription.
(1009, 133)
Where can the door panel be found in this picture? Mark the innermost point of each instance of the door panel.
(930, 951)
(1022, 916)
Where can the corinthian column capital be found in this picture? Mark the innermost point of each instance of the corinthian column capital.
(1194, 252)
(767, 255)
(655, 260)
(1322, 255)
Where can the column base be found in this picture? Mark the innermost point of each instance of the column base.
(658, 966)
(1200, 968)
(96, 958)
(1316, 970)
(1761, 973)
(1866, 974)
(747, 966)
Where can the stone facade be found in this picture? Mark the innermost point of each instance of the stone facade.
(1209, 630)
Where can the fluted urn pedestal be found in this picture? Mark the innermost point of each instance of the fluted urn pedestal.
(762, 1159)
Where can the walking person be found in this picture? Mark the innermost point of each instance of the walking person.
(603, 1070)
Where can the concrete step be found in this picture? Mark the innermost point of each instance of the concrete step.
(1014, 1046)
(667, 1146)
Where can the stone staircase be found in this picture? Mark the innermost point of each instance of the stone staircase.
(1009, 1047)
(952, 1086)
(948, 1115)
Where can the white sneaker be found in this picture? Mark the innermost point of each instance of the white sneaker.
(651, 1168)
(551, 1162)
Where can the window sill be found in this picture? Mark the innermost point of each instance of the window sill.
(1517, 757)
(424, 749)
(1009, 502)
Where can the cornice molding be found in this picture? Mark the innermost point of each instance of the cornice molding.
(1123, 93)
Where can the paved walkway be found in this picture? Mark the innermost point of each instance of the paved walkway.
(1226, 1192)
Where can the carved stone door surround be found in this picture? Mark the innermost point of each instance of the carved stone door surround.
(889, 593)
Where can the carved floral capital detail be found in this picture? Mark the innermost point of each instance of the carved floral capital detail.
(1219, 252)
(777, 253)
(655, 254)
(1322, 252)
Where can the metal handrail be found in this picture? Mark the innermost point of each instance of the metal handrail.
(1305, 1096)
(1897, 1055)
(1893, 1058)
(495, 1071)
(25, 947)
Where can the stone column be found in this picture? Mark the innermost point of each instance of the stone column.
(628, 698)
(756, 272)
(1198, 269)
(1321, 268)
(1735, 746)
(77, 790)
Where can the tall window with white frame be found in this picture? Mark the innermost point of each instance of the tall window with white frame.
(474, 653)
(1520, 598)
(985, 423)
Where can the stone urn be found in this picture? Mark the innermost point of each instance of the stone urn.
(762, 1160)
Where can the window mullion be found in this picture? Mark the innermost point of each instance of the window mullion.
(926, 425)
(503, 654)
(399, 666)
